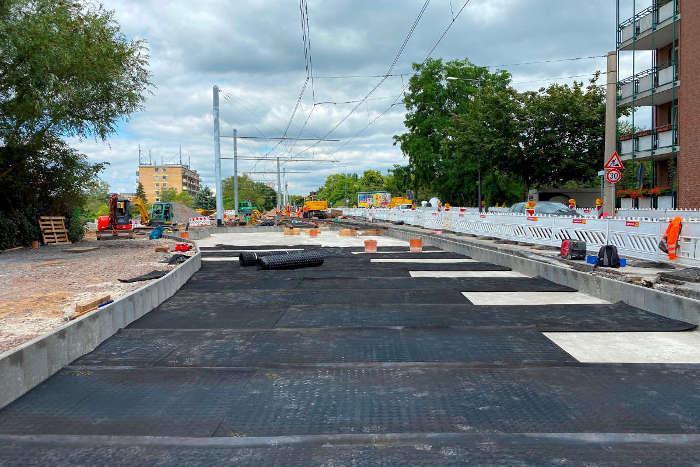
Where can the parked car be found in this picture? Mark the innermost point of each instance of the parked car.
(547, 207)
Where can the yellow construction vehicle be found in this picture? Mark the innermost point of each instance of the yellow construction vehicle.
(141, 206)
(314, 208)
(399, 201)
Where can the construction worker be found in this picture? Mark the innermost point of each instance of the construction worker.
(673, 232)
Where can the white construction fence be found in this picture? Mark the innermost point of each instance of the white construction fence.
(634, 238)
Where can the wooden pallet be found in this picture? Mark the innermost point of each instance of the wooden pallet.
(53, 229)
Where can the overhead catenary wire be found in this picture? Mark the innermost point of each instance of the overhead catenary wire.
(398, 54)
(403, 88)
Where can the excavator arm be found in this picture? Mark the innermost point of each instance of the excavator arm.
(143, 212)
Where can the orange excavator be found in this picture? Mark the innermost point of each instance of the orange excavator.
(118, 223)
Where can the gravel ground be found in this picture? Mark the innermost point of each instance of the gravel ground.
(40, 288)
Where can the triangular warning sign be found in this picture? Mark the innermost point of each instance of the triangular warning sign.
(614, 162)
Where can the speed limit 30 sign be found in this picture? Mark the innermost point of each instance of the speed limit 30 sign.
(613, 176)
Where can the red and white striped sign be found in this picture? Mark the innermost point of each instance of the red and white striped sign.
(201, 221)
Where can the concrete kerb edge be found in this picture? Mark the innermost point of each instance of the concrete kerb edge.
(655, 301)
(28, 365)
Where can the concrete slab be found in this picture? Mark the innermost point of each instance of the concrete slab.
(531, 298)
(423, 260)
(630, 347)
(219, 258)
(466, 274)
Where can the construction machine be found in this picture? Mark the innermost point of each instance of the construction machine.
(246, 207)
(314, 207)
(118, 223)
(161, 213)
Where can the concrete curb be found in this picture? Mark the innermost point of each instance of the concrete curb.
(24, 367)
(655, 301)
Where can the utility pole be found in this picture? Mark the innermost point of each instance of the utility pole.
(235, 170)
(279, 185)
(217, 159)
(181, 154)
(286, 188)
(610, 129)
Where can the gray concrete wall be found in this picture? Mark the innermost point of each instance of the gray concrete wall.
(655, 301)
(33, 362)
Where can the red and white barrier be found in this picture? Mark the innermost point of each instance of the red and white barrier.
(201, 221)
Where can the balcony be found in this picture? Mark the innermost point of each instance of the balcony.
(654, 86)
(649, 29)
(663, 140)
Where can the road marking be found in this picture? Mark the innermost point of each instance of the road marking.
(532, 298)
(423, 260)
(466, 274)
(630, 347)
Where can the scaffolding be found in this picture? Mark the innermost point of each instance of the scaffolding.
(651, 29)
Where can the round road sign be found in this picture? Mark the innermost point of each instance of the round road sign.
(613, 176)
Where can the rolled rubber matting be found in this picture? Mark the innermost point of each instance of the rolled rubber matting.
(204, 402)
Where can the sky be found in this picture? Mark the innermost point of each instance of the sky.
(253, 50)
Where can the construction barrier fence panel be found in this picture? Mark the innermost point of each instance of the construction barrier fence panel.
(634, 237)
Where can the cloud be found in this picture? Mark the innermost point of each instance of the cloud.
(253, 51)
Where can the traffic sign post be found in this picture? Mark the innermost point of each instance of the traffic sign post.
(614, 162)
(613, 176)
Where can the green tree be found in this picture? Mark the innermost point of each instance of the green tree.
(141, 192)
(53, 180)
(399, 180)
(174, 196)
(96, 200)
(261, 195)
(372, 180)
(562, 132)
(204, 199)
(66, 69)
(339, 187)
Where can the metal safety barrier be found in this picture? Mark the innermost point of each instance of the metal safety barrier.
(634, 238)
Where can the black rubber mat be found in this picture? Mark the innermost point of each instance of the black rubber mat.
(359, 266)
(618, 317)
(431, 449)
(273, 402)
(468, 347)
(371, 285)
(255, 247)
(261, 299)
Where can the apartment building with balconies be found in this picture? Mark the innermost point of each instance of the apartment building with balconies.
(656, 44)
(157, 178)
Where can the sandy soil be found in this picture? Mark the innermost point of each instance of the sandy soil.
(40, 288)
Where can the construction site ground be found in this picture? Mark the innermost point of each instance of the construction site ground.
(39, 288)
(391, 358)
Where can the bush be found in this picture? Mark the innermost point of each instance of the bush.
(17, 228)
(75, 224)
